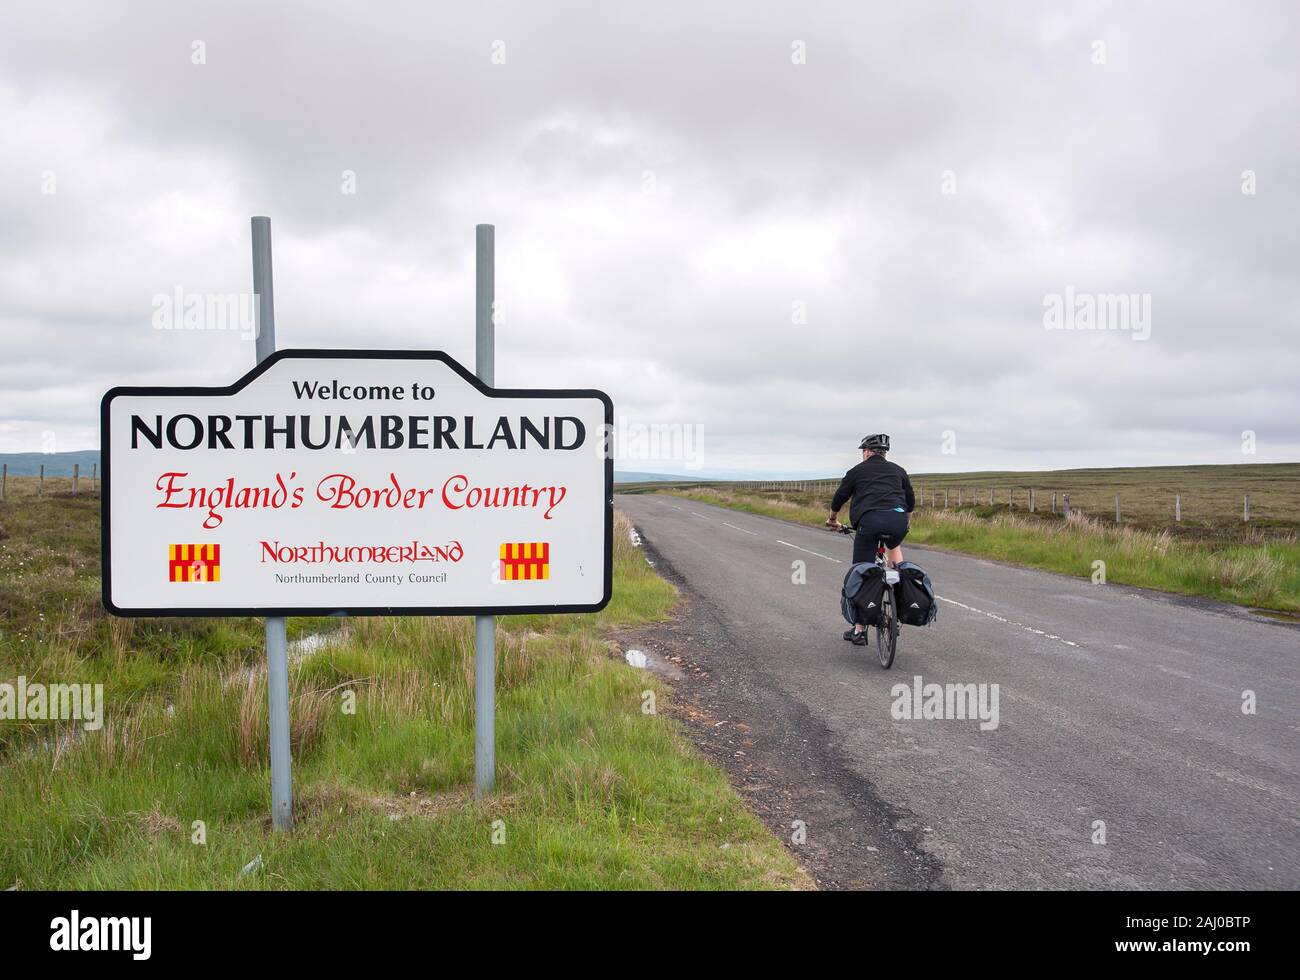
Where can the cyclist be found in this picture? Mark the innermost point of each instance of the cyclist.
(882, 503)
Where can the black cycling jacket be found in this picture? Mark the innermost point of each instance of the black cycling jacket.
(874, 484)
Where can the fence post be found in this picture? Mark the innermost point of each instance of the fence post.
(4, 478)
(991, 501)
(1117, 517)
(1245, 508)
(1053, 501)
(945, 498)
(1065, 505)
(959, 496)
(1178, 506)
(1031, 500)
(94, 477)
(76, 477)
(40, 489)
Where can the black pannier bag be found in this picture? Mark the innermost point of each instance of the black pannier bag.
(864, 586)
(917, 605)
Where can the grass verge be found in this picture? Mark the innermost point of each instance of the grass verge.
(1263, 572)
(173, 791)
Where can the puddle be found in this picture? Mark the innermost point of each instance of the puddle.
(653, 662)
(312, 642)
(59, 744)
(297, 650)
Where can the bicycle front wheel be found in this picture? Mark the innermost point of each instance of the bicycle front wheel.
(887, 630)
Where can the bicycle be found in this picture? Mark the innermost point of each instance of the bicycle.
(887, 626)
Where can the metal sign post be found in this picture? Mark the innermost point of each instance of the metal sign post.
(485, 627)
(277, 647)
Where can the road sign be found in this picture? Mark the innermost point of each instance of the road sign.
(356, 482)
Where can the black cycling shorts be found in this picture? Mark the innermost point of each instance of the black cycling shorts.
(875, 525)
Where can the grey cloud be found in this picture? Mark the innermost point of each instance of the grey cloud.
(773, 183)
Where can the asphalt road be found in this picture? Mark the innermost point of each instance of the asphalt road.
(1114, 705)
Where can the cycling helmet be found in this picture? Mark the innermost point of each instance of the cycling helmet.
(877, 443)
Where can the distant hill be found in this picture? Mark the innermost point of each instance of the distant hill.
(56, 464)
(630, 476)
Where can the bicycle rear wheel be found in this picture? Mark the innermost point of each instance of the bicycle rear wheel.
(887, 630)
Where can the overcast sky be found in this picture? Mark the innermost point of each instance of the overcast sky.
(782, 225)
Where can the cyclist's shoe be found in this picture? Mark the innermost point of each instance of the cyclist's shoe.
(859, 639)
(848, 634)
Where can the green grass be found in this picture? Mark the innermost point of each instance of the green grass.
(593, 792)
(52, 622)
(1261, 571)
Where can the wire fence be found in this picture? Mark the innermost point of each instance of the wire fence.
(1133, 503)
(42, 482)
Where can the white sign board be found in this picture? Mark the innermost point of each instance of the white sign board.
(355, 482)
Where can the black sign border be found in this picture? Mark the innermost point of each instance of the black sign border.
(275, 611)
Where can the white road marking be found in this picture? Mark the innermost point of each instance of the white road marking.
(705, 516)
(725, 524)
(806, 551)
(1009, 622)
